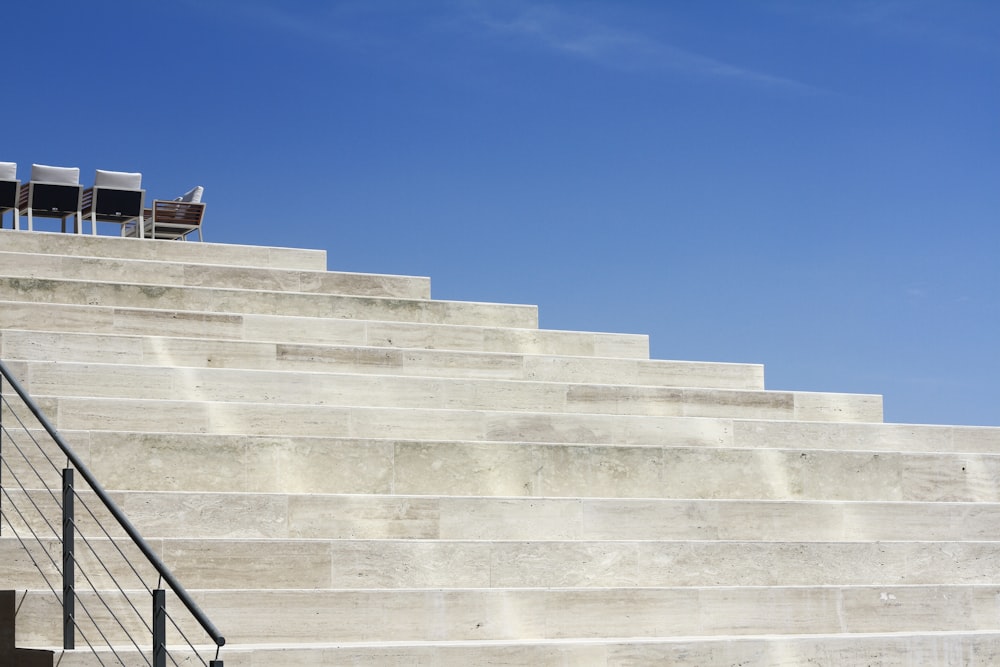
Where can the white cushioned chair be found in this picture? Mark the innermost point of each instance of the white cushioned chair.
(117, 196)
(9, 193)
(52, 192)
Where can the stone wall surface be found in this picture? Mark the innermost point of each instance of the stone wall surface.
(343, 470)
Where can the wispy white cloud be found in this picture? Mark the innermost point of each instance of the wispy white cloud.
(572, 34)
(578, 36)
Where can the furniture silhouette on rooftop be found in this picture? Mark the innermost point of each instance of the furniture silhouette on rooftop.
(116, 197)
(171, 219)
(52, 192)
(9, 192)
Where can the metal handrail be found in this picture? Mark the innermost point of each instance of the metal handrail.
(119, 516)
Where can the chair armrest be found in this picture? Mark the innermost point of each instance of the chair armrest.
(87, 200)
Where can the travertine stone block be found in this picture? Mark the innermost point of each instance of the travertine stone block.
(268, 303)
(146, 272)
(91, 319)
(953, 649)
(871, 437)
(344, 471)
(82, 245)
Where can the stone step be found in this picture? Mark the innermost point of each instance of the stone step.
(178, 274)
(329, 465)
(192, 514)
(905, 649)
(290, 330)
(66, 379)
(883, 437)
(278, 564)
(30, 345)
(375, 615)
(325, 516)
(240, 301)
(82, 245)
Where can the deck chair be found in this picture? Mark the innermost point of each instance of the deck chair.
(172, 219)
(52, 192)
(117, 197)
(9, 192)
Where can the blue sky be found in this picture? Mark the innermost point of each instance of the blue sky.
(814, 186)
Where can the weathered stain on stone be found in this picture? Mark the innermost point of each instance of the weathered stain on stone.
(33, 284)
(152, 291)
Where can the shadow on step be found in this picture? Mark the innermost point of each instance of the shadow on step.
(9, 654)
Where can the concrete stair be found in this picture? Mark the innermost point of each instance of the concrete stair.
(345, 471)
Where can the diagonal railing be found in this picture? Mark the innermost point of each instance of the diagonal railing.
(25, 463)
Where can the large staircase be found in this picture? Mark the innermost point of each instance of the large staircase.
(344, 471)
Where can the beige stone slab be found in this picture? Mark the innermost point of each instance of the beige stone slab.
(958, 477)
(616, 345)
(375, 462)
(499, 614)
(91, 319)
(129, 655)
(319, 464)
(644, 372)
(492, 468)
(605, 429)
(397, 361)
(543, 470)
(888, 650)
(410, 564)
(870, 437)
(358, 517)
(271, 564)
(784, 520)
(197, 352)
(202, 515)
(150, 322)
(83, 245)
(41, 317)
(226, 384)
(28, 562)
(354, 516)
(945, 649)
(497, 339)
(312, 330)
(481, 518)
(119, 270)
(272, 303)
(57, 346)
(829, 407)
(237, 463)
(291, 330)
(203, 417)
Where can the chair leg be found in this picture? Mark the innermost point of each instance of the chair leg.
(17, 219)
(31, 226)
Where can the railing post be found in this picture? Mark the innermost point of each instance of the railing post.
(159, 628)
(69, 563)
(1, 449)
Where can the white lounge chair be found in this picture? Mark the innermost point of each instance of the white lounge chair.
(9, 193)
(172, 219)
(52, 192)
(117, 196)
